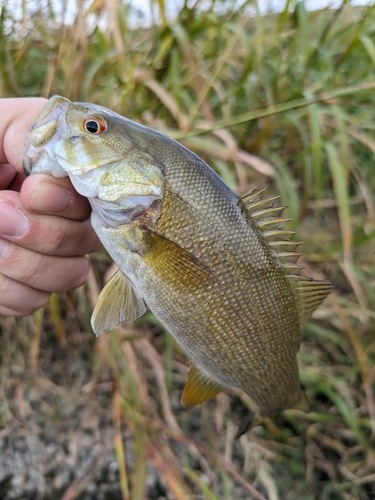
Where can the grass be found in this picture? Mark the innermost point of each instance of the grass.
(284, 101)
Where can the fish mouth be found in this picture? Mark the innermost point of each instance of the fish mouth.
(49, 128)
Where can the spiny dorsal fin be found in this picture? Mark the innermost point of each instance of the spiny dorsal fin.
(273, 224)
(251, 195)
(199, 387)
(267, 218)
(309, 294)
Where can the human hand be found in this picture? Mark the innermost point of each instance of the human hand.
(45, 228)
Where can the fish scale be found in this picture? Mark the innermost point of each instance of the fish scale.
(238, 324)
(218, 270)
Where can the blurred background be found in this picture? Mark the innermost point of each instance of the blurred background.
(269, 95)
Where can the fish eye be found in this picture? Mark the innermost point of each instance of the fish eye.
(95, 125)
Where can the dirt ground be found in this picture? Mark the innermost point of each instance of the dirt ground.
(56, 420)
(58, 435)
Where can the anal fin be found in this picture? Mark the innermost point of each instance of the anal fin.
(199, 387)
(303, 404)
(118, 303)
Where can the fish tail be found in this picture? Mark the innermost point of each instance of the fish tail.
(253, 419)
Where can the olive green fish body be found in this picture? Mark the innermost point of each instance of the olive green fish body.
(217, 270)
(239, 320)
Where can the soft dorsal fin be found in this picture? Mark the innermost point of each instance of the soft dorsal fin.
(268, 219)
(309, 294)
(118, 303)
(199, 387)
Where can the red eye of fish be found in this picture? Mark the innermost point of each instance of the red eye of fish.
(95, 125)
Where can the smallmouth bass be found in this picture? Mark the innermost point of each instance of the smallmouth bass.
(218, 270)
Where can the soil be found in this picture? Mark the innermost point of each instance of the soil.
(56, 419)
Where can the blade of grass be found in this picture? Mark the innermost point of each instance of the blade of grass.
(54, 304)
(278, 108)
(191, 474)
(367, 373)
(346, 413)
(35, 341)
(118, 444)
(167, 465)
(316, 150)
(340, 182)
(148, 352)
(286, 186)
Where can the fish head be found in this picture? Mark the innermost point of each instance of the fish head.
(100, 153)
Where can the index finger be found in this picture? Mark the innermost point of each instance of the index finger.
(18, 115)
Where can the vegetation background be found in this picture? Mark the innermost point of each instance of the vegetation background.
(283, 100)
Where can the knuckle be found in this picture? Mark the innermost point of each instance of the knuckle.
(83, 271)
(70, 238)
(36, 302)
(37, 264)
(20, 299)
(39, 301)
(80, 272)
(59, 238)
(27, 267)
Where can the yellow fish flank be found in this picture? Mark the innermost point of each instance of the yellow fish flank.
(217, 269)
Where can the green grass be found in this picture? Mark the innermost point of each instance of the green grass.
(284, 101)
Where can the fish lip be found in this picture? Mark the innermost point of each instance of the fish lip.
(53, 113)
(50, 124)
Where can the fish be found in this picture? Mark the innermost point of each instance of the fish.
(217, 269)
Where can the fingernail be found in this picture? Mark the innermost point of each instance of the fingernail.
(48, 197)
(4, 248)
(13, 222)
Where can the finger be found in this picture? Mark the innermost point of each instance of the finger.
(49, 195)
(17, 182)
(7, 174)
(46, 234)
(5, 311)
(17, 118)
(43, 272)
(18, 298)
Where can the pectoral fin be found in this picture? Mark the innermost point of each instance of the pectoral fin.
(118, 303)
(199, 387)
(176, 266)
